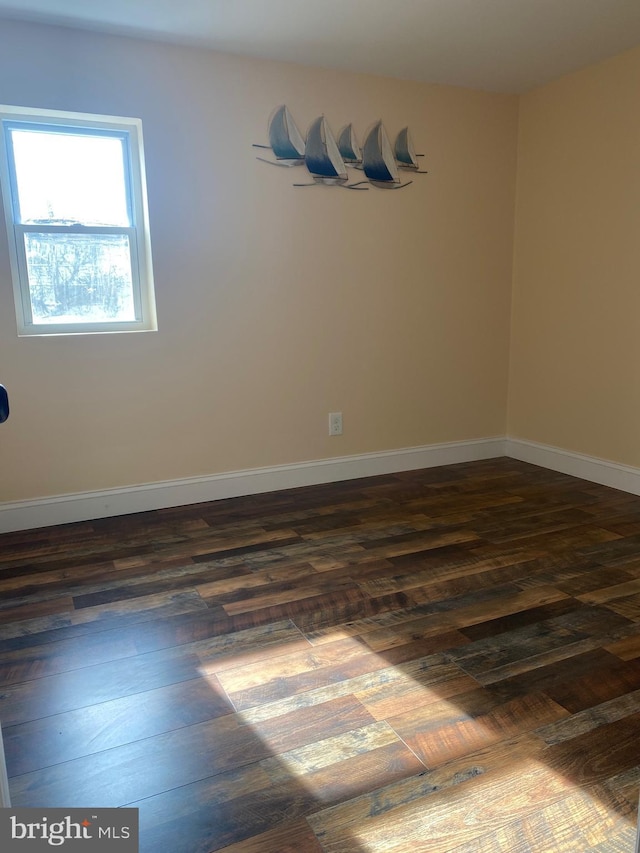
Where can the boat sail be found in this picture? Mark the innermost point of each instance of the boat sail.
(323, 159)
(406, 154)
(348, 146)
(285, 140)
(378, 161)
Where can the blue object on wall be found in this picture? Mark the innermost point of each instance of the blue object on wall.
(4, 404)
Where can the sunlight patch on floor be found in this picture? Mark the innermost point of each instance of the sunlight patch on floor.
(522, 808)
(497, 795)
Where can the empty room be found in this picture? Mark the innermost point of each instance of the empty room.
(320, 426)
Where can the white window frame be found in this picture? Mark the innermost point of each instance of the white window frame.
(130, 131)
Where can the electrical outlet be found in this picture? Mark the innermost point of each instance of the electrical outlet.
(335, 423)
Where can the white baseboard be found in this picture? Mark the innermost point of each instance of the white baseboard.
(623, 477)
(83, 506)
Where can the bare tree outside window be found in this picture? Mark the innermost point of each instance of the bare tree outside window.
(74, 276)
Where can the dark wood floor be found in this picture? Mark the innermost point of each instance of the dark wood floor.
(443, 660)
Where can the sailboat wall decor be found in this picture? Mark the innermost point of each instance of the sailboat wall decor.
(328, 159)
(323, 158)
(285, 140)
(406, 153)
(348, 146)
(378, 160)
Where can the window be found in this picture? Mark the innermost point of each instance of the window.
(75, 205)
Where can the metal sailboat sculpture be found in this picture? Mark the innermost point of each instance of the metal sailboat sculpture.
(406, 156)
(378, 161)
(285, 140)
(323, 158)
(348, 146)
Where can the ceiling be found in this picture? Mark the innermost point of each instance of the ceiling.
(496, 45)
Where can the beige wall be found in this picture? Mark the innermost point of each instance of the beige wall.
(575, 354)
(275, 305)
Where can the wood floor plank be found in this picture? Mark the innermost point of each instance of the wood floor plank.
(548, 520)
(26, 664)
(532, 640)
(520, 619)
(593, 580)
(291, 837)
(291, 675)
(81, 688)
(144, 768)
(617, 841)
(591, 819)
(413, 685)
(570, 574)
(418, 789)
(445, 730)
(214, 826)
(292, 593)
(610, 593)
(627, 648)
(30, 611)
(597, 687)
(85, 731)
(627, 606)
(596, 755)
(456, 816)
(443, 619)
(590, 718)
(555, 654)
